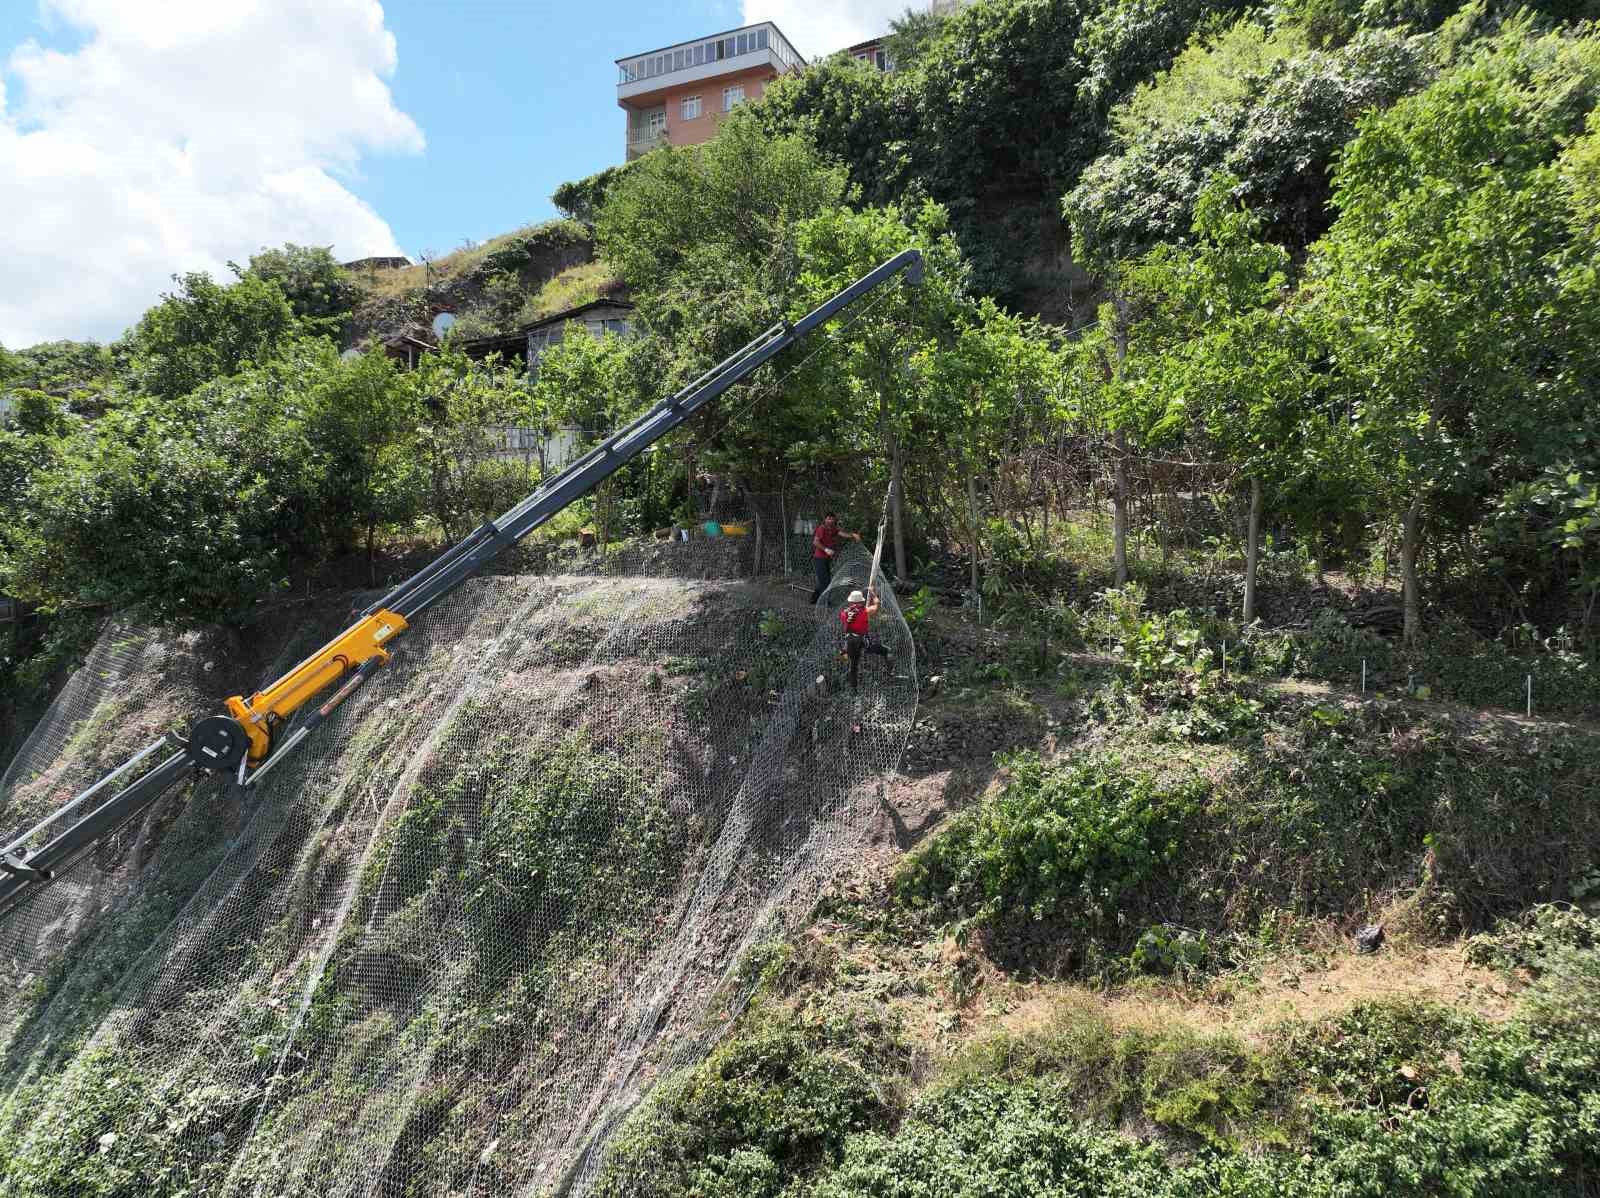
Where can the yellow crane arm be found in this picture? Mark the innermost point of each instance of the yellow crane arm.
(348, 651)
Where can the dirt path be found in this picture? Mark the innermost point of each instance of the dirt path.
(1309, 687)
(1306, 686)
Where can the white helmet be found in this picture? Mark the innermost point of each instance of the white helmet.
(856, 597)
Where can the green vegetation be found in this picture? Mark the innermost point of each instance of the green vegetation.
(582, 829)
(1257, 350)
(206, 330)
(159, 1148)
(1078, 848)
(1390, 1097)
(761, 1110)
(1070, 865)
(281, 465)
(310, 279)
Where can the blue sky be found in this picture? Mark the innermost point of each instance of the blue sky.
(513, 103)
(143, 138)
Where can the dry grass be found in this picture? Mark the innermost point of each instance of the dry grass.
(1249, 1009)
(390, 284)
(949, 998)
(573, 286)
(576, 285)
(447, 268)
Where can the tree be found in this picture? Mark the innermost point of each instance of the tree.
(1275, 130)
(362, 421)
(738, 196)
(981, 399)
(66, 368)
(1226, 360)
(582, 199)
(910, 35)
(594, 384)
(205, 331)
(317, 287)
(189, 512)
(1211, 74)
(193, 509)
(1441, 290)
(859, 379)
(855, 115)
(462, 405)
(706, 237)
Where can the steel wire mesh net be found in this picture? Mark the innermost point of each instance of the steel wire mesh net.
(451, 943)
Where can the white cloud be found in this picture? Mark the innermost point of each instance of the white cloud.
(819, 27)
(181, 134)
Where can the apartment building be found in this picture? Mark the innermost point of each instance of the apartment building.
(677, 95)
(871, 52)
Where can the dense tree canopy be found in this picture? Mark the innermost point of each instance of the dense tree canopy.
(1276, 130)
(1349, 252)
(310, 279)
(206, 329)
(737, 198)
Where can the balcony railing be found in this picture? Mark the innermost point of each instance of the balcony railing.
(764, 39)
(643, 143)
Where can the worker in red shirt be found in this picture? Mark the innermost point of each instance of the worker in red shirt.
(856, 617)
(824, 543)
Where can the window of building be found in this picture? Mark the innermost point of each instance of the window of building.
(677, 60)
(732, 97)
(699, 54)
(656, 122)
(741, 44)
(761, 39)
(691, 107)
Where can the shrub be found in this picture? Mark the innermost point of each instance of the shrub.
(1085, 846)
(581, 199)
(111, 1132)
(1335, 650)
(762, 1110)
(1528, 940)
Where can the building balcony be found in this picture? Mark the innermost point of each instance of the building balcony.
(643, 143)
(751, 47)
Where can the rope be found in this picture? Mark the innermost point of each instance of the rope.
(877, 552)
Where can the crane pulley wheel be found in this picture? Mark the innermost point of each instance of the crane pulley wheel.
(217, 742)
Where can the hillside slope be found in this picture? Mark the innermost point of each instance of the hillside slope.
(457, 937)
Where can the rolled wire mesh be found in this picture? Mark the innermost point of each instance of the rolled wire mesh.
(449, 945)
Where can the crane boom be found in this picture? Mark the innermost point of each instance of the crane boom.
(243, 739)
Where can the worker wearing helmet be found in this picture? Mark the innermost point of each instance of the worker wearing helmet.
(824, 544)
(856, 617)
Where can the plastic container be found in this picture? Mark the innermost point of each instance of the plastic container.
(713, 529)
